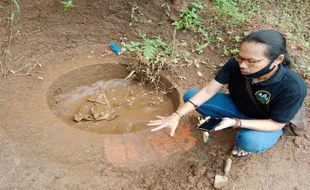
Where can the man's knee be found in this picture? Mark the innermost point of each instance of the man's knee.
(256, 141)
(188, 94)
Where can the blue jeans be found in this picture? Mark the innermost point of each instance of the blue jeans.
(221, 105)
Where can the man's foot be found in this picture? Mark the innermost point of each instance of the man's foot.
(238, 152)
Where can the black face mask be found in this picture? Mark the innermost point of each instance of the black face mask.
(261, 72)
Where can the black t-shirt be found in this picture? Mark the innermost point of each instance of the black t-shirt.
(280, 97)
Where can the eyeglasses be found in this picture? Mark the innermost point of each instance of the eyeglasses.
(247, 61)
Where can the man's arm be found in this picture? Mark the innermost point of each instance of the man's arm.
(262, 124)
(201, 97)
(255, 124)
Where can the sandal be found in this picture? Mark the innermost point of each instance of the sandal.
(239, 153)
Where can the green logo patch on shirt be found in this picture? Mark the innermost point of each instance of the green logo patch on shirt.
(263, 96)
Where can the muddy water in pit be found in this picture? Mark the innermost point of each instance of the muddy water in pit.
(131, 103)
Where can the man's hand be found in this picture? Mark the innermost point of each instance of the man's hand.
(226, 123)
(171, 122)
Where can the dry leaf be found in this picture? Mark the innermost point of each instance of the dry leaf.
(293, 47)
(196, 64)
(246, 33)
(203, 62)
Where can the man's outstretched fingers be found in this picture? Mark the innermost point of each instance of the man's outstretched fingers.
(172, 131)
(154, 123)
(158, 128)
(160, 117)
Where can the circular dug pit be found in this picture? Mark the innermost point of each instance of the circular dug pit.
(121, 148)
(97, 99)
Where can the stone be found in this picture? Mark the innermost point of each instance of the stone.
(191, 179)
(200, 185)
(297, 142)
(199, 170)
(210, 175)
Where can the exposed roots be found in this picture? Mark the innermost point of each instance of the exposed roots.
(148, 72)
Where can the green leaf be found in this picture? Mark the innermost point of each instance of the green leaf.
(67, 4)
(179, 24)
(212, 39)
(185, 56)
(148, 49)
(200, 48)
(132, 46)
(237, 38)
(234, 51)
(197, 5)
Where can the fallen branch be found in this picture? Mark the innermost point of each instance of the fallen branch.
(30, 69)
(128, 89)
(106, 99)
(6, 51)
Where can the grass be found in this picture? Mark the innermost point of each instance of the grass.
(150, 48)
(17, 6)
(227, 14)
(302, 69)
(6, 57)
(235, 12)
(189, 18)
(135, 15)
(154, 55)
(67, 4)
(230, 8)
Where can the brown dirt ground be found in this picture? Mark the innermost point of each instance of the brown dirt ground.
(35, 156)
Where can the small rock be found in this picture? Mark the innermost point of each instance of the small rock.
(183, 185)
(199, 170)
(307, 136)
(153, 187)
(199, 74)
(297, 142)
(191, 179)
(200, 185)
(213, 153)
(212, 181)
(210, 175)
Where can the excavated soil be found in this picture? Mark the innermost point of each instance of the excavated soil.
(38, 153)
